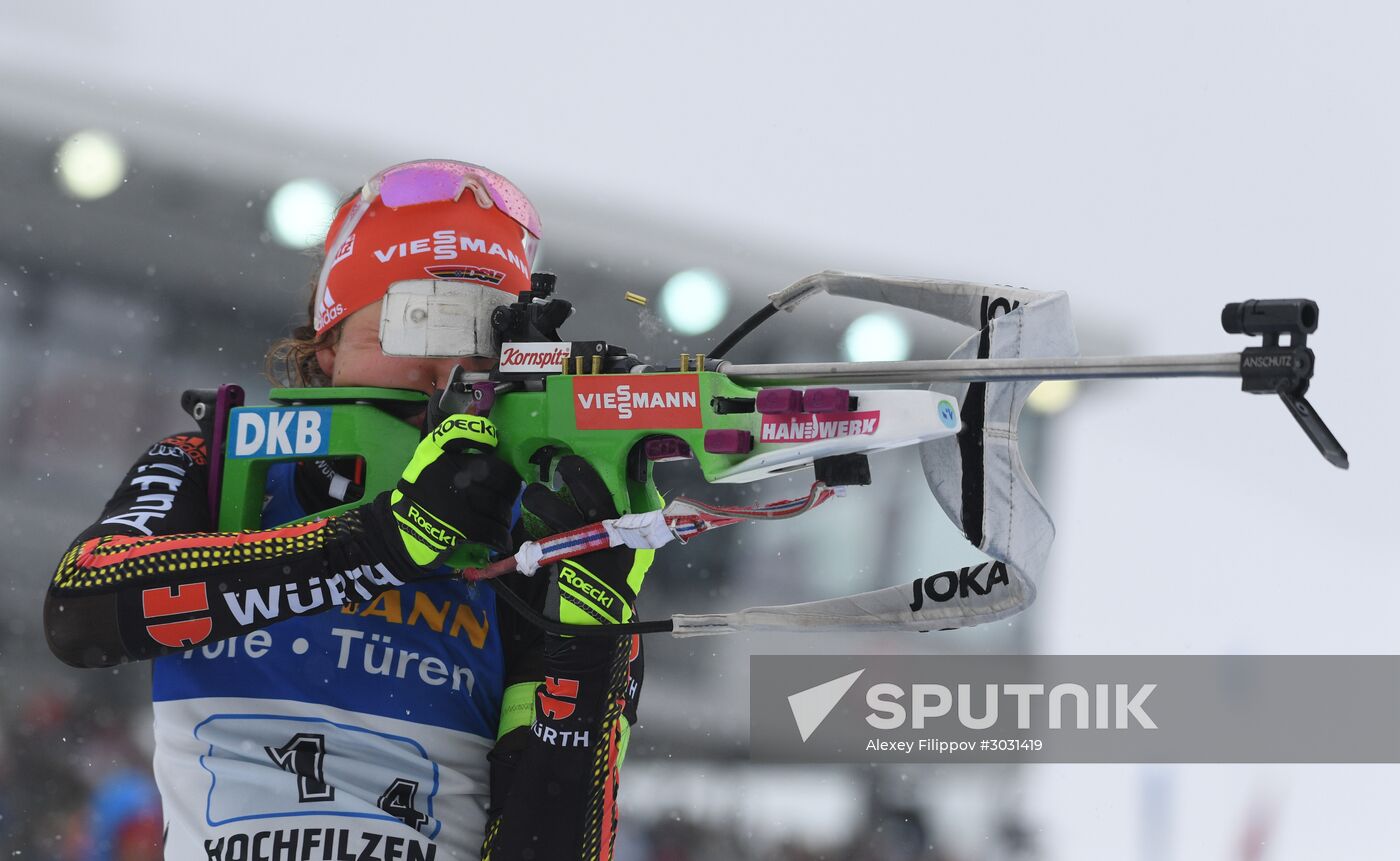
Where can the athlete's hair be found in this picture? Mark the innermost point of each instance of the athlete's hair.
(291, 361)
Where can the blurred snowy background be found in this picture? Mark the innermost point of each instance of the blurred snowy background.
(1155, 161)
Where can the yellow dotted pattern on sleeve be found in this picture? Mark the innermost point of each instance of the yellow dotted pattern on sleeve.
(489, 843)
(113, 559)
(600, 824)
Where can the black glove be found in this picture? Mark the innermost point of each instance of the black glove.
(599, 587)
(454, 490)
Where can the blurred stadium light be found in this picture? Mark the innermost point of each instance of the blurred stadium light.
(693, 301)
(876, 337)
(116, 306)
(300, 212)
(90, 164)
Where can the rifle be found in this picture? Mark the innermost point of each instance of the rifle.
(746, 422)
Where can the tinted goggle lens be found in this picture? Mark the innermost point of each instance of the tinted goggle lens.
(439, 181)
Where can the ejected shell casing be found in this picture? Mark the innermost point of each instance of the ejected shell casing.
(635, 299)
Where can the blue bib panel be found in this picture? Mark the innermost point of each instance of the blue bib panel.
(381, 713)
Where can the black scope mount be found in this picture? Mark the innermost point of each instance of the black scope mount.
(1285, 370)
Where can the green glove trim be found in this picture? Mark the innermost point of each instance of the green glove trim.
(586, 599)
(424, 536)
(641, 564)
(624, 734)
(517, 707)
(470, 429)
(454, 491)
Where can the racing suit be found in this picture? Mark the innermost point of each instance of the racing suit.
(318, 696)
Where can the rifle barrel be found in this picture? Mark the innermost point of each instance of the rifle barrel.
(980, 370)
